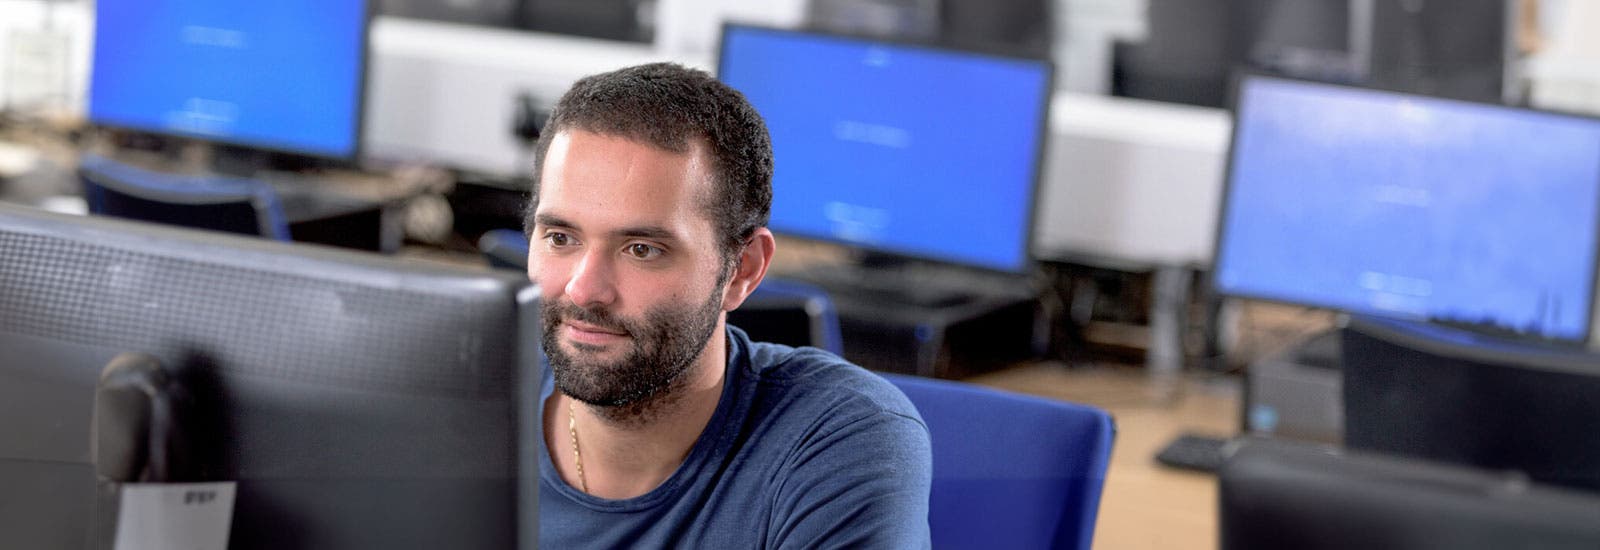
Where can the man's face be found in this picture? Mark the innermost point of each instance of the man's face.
(628, 264)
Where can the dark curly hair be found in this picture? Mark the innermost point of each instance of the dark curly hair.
(668, 106)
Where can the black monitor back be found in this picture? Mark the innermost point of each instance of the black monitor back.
(1011, 27)
(1017, 27)
(1194, 47)
(1276, 495)
(1186, 56)
(359, 402)
(1447, 395)
(1448, 48)
(493, 13)
(625, 20)
(1303, 38)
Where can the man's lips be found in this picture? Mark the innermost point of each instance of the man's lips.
(595, 334)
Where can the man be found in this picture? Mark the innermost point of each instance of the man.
(663, 426)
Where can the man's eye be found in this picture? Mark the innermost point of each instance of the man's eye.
(558, 239)
(643, 251)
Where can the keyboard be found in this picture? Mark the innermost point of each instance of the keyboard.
(1196, 453)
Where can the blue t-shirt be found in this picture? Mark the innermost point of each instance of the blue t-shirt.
(804, 450)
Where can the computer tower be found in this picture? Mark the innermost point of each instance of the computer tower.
(1298, 393)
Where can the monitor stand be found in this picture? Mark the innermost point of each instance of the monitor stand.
(930, 320)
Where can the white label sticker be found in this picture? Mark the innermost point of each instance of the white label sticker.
(175, 516)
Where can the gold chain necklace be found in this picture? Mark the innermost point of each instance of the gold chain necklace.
(577, 457)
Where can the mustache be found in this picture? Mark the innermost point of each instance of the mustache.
(558, 313)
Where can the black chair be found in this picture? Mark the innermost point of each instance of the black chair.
(234, 205)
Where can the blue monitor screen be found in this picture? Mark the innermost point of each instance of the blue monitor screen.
(916, 152)
(281, 75)
(1414, 207)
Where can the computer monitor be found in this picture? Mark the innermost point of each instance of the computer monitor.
(1194, 46)
(358, 401)
(1304, 38)
(1458, 48)
(1016, 27)
(1275, 494)
(624, 20)
(1020, 27)
(279, 76)
(909, 151)
(1184, 57)
(1401, 205)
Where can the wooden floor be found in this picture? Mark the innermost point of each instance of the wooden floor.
(1144, 504)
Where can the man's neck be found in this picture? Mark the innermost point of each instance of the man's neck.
(628, 455)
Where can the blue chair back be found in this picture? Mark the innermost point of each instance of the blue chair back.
(234, 205)
(504, 249)
(1010, 470)
(780, 310)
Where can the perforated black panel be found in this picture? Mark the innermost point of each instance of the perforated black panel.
(305, 329)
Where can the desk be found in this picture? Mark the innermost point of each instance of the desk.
(1144, 505)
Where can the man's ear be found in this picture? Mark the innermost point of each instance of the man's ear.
(752, 268)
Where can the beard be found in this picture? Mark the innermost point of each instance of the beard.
(666, 341)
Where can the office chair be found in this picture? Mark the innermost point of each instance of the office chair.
(780, 310)
(1009, 470)
(234, 205)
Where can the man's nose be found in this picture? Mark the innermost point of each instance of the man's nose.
(593, 280)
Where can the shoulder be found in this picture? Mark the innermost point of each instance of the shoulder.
(852, 460)
(844, 458)
(821, 380)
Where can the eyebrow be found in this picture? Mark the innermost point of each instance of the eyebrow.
(647, 232)
(551, 220)
(642, 231)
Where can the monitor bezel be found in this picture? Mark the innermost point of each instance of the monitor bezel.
(1028, 260)
(1240, 79)
(352, 156)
